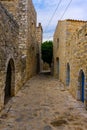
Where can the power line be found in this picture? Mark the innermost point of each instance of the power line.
(53, 15)
(62, 14)
(65, 9)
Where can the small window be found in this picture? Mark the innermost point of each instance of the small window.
(57, 42)
(86, 34)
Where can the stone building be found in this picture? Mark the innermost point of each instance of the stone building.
(10, 73)
(70, 62)
(27, 19)
(18, 41)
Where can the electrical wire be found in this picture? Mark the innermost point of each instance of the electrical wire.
(65, 9)
(53, 14)
(64, 12)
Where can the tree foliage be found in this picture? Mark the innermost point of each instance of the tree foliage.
(47, 52)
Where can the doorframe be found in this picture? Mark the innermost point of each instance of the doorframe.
(12, 82)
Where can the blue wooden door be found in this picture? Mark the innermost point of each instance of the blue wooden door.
(68, 75)
(82, 87)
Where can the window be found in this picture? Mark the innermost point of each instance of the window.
(57, 42)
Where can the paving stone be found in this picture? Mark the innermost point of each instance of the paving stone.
(47, 128)
(43, 105)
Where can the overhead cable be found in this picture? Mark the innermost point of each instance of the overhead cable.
(65, 9)
(53, 15)
(62, 14)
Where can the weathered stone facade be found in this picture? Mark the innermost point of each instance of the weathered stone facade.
(70, 63)
(18, 41)
(9, 55)
(11, 6)
(27, 37)
(78, 65)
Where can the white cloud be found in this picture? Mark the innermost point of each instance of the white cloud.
(45, 9)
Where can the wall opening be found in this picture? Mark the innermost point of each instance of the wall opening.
(10, 81)
(68, 75)
(81, 85)
(58, 67)
(57, 42)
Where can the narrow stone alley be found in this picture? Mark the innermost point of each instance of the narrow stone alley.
(43, 104)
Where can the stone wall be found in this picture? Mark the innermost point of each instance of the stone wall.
(11, 6)
(72, 27)
(59, 51)
(70, 62)
(32, 42)
(9, 53)
(61, 48)
(27, 20)
(78, 59)
(18, 41)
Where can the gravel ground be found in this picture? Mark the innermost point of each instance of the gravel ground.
(43, 104)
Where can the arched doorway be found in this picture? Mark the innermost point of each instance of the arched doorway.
(10, 81)
(57, 67)
(82, 84)
(68, 74)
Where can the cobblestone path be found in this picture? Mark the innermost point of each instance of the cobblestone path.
(43, 104)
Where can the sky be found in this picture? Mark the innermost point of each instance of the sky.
(45, 9)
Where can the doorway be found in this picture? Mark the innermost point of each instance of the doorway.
(82, 80)
(10, 82)
(58, 68)
(68, 75)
